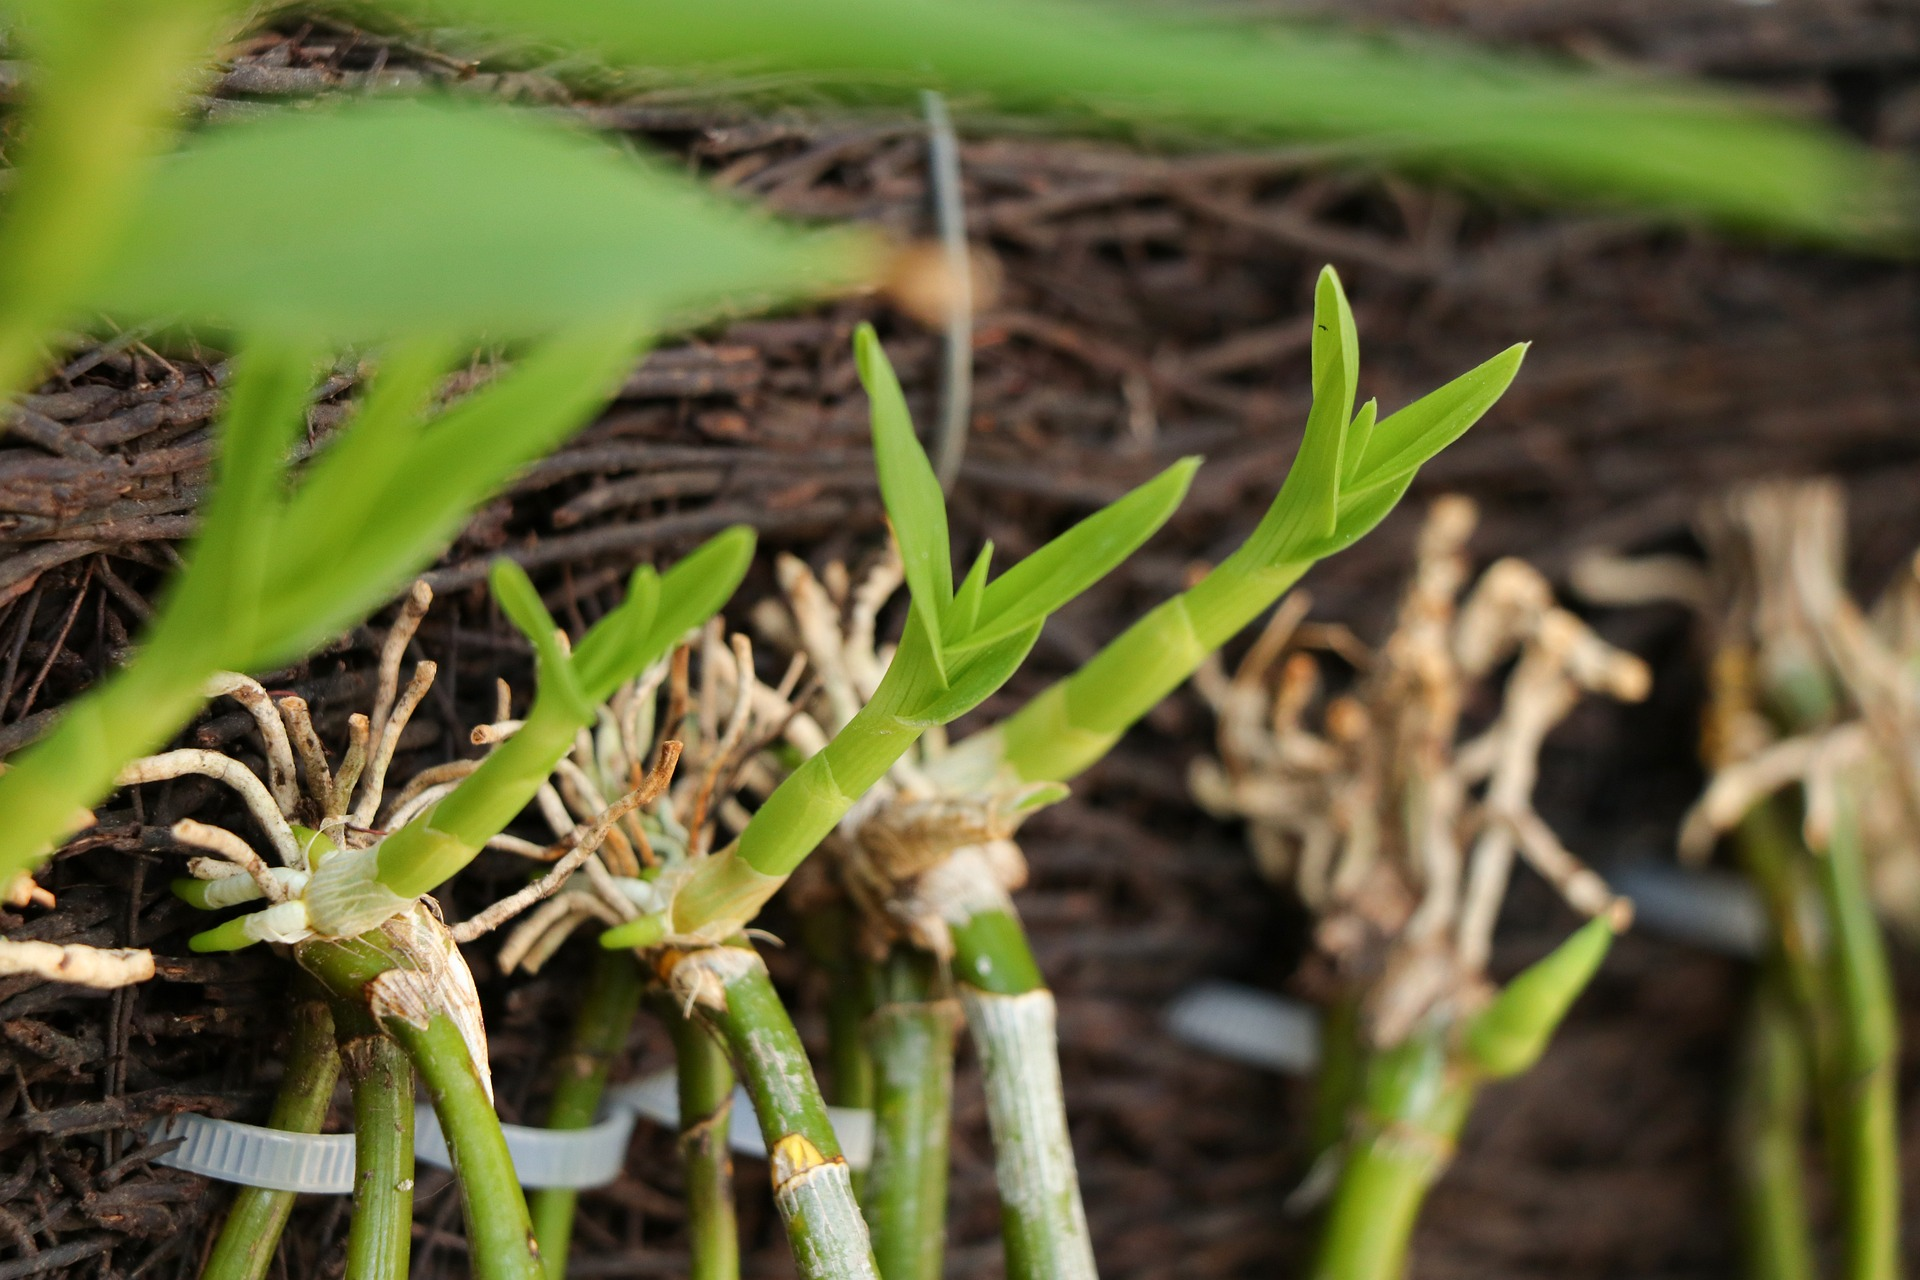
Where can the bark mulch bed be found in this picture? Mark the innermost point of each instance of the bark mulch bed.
(1152, 306)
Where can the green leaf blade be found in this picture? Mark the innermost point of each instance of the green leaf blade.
(908, 486)
(1402, 442)
(1025, 594)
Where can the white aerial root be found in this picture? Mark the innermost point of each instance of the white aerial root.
(1399, 836)
(302, 790)
(218, 840)
(633, 854)
(81, 965)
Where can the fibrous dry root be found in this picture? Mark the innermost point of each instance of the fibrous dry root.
(1807, 687)
(1399, 834)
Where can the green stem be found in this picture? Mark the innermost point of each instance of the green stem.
(705, 1078)
(429, 850)
(1414, 1104)
(500, 1242)
(811, 1184)
(1770, 1114)
(380, 1241)
(601, 1027)
(911, 1034)
(247, 1240)
(1342, 1071)
(1075, 722)
(1011, 1015)
(827, 933)
(500, 1239)
(1866, 1056)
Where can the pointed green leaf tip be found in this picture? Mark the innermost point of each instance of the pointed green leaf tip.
(910, 490)
(1025, 594)
(1510, 1034)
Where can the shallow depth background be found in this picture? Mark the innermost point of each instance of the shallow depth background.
(1152, 306)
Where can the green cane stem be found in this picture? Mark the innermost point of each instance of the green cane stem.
(811, 1186)
(251, 1233)
(827, 932)
(911, 1034)
(1413, 1098)
(705, 1079)
(1866, 1108)
(600, 1030)
(1770, 1108)
(1076, 722)
(1336, 1086)
(1413, 1105)
(500, 1238)
(1011, 1016)
(380, 1239)
(427, 852)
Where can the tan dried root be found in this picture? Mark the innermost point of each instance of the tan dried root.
(1399, 835)
(1782, 627)
(631, 856)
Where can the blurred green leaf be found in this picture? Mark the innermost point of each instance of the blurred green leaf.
(232, 559)
(602, 658)
(1024, 595)
(1510, 1034)
(331, 572)
(385, 217)
(695, 588)
(514, 592)
(1608, 136)
(912, 494)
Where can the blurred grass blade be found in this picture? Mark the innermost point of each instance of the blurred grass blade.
(107, 77)
(230, 564)
(400, 217)
(333, 573)
(1521, 120)
(695, 588)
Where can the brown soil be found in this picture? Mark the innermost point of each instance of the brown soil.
(1153, 306)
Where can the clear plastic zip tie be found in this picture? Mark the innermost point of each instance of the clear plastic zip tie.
(323, 1163)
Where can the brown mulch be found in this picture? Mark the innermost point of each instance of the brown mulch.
(1152, 306)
